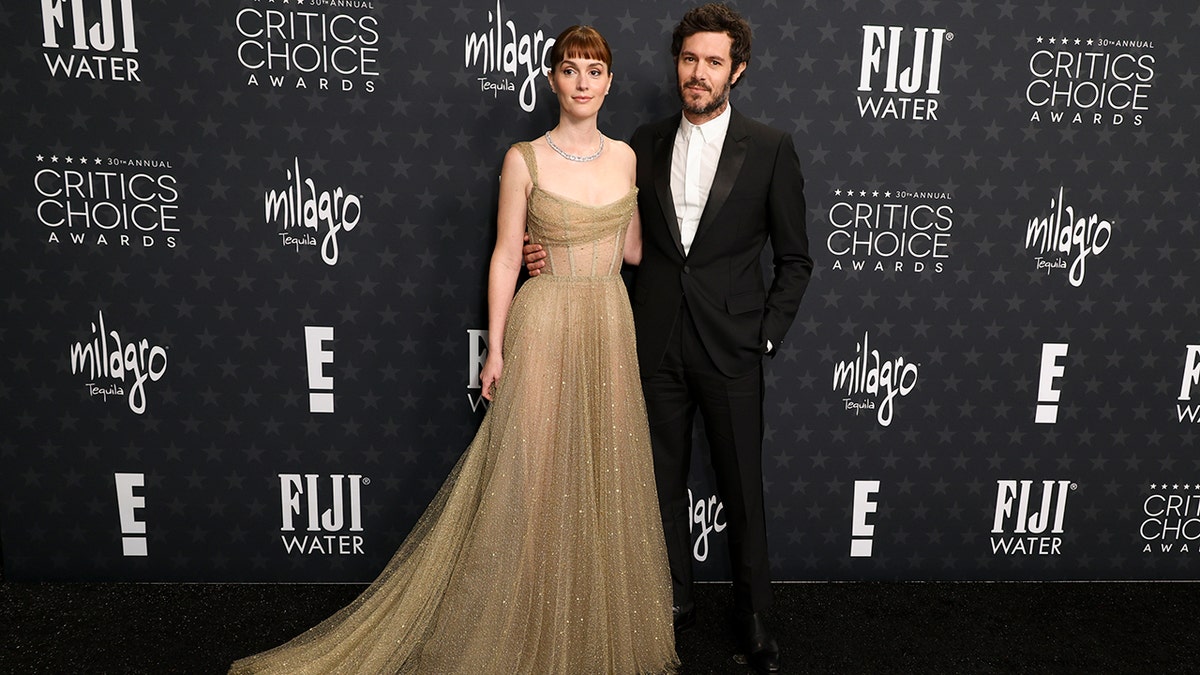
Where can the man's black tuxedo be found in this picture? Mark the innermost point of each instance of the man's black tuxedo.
(703, 321)
(757, 193)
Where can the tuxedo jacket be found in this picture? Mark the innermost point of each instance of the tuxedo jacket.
(757, 194)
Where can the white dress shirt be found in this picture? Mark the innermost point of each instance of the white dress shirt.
(693, 165)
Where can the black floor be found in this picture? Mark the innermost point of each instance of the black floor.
(822, 628)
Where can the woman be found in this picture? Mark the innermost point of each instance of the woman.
(543, 551)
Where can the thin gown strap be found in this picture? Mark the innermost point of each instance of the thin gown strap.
(526, 149)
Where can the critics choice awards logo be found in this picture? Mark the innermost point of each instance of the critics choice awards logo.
(315, 46)
(321, 515)
(900, 72)
(1089, 80)
(114, 367)
(1065, 238)
(310, 217)
(1172, 518)
(507, 62)
(110, 201)
(90, 40)
(891, 231)
(872, 382)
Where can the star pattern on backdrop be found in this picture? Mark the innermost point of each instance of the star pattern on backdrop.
(421, 147)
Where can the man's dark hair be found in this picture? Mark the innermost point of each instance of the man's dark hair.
(715, 17)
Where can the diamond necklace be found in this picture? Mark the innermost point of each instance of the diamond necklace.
(576, 158)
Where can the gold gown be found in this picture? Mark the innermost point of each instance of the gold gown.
(543, 551)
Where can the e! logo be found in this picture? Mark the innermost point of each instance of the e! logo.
(127, 505)
(1048, 394)
(314, 337)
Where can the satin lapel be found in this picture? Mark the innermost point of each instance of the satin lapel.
(733, 155)
(664, 146)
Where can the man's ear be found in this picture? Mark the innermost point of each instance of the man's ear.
(737, 74)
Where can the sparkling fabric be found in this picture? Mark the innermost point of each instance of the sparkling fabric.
(543, 551)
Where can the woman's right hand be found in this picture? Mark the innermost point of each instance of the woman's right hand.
(489, 377)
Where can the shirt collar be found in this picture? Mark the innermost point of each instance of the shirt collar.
(710, 130)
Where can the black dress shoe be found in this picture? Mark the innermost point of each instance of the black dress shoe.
(685, 617)
(762, 652)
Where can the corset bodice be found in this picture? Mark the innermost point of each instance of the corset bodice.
(579, 239)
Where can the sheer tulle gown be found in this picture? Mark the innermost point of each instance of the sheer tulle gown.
(543, 551)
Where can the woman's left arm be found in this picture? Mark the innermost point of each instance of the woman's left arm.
(633, 234)
(633, 240)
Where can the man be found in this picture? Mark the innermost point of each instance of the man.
(713, 187)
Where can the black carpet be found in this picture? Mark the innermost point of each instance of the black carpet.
(822, 628)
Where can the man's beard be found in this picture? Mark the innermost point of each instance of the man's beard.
(716, 104)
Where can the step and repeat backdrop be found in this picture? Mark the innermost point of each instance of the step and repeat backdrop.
(244, 248)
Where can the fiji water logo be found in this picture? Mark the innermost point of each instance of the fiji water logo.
(321, 514)
(908, 93)
(305, 213)
(96, 31)
(1066, 234)
(873, 383)
(108, 357)
(500, 53)
(1029, 518)
(1188, 411)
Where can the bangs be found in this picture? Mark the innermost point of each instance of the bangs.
(580, 43)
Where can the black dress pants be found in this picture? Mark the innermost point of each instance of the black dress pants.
(686, 381)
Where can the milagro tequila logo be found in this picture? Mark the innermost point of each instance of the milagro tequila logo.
(500, 53)
(327, 509)
(1065, 234)
(868, 377)
(110, 363)
(305, 213)
(1090, 80)
(306, 48)
(907, 94)
(705, 517)
(100, 34)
